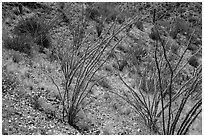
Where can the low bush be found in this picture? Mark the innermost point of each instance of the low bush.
(37, 28)
(136, 54)
(92, 14)
(21, 43)
(105, 11)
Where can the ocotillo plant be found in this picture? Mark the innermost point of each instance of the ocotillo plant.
(80, 60)
(160, 81)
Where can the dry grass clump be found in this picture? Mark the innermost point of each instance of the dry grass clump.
(19, 43)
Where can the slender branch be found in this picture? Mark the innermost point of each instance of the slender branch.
(189, 116)
(161, 94)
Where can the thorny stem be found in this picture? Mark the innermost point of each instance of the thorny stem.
(161, 94)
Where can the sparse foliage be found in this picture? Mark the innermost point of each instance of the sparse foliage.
(38, 29)
(160, 82)
(21, 43)
(80, 61)
(147, 54)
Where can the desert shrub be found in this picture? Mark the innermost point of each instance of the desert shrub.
(44, 41)
(52, 55)
(37, 28)
(92, 13)
(135, 55)
(31, 33)
(180, 26)
(105, 10)
(176, 9)
(21, 43)
(31, 25)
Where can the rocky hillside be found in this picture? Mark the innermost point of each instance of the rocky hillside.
(45, 44)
